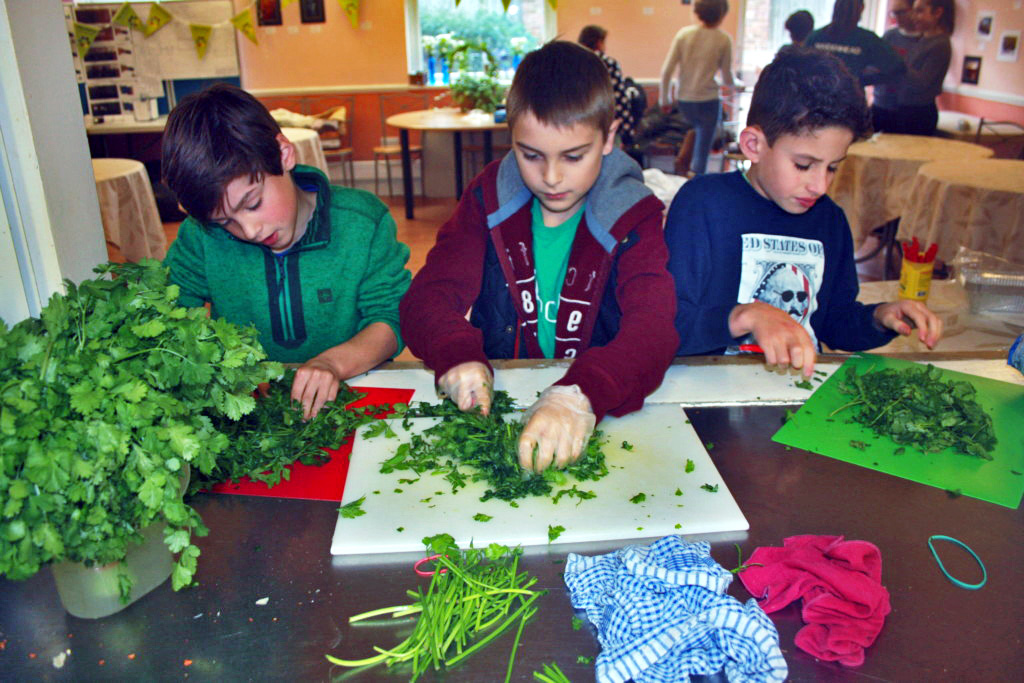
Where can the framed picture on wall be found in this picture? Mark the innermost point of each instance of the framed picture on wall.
(268, 12)
(1009, 46)
(311, 11)
(972, 70)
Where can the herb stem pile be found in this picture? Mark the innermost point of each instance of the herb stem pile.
(473, 597)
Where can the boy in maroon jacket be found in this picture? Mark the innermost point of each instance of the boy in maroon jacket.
(558, 250)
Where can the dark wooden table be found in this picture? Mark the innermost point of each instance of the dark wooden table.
(278, 549)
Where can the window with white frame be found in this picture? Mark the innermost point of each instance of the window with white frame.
(437, 28)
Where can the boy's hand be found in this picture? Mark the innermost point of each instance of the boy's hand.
(903, 315)
(315, 383)
(468, 385)
(783, 340)
(558, 425)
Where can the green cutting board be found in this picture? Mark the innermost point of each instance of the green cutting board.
(1000, 480)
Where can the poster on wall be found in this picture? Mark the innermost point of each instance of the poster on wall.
(311, 11)
(985, 25)
(972, 70)
(1009, 46)
(268, 12)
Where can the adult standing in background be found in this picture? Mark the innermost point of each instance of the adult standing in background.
(593, 37)
(902, 37)
(867, 56)
(799, 24)
(927, 64)
(698, 53)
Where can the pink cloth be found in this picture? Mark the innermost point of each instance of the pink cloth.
(841, 585)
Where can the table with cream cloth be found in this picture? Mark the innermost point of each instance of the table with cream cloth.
(977, 203)
(131, 221)
(308, 150)
(873, 184)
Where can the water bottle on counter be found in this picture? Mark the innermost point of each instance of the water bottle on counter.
(1016, 358)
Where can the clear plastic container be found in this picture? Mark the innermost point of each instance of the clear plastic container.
(93, 592)
(993, 284)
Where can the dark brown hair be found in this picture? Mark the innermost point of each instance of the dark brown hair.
(591, 35)
(213, 137)
(562, 84)
(805, 90)
(710, 12)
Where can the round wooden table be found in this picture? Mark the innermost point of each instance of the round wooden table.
(976, 203)
(131, 221)
(308, 150)
(449, 120)
(873, 184)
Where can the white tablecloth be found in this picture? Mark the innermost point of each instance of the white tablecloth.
(131, 221)
(307, 147)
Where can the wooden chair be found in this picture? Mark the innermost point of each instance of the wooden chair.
(1004, 132)
(389, 148)
(337, 143)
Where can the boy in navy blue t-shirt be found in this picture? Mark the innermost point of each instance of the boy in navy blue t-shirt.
(763, 261)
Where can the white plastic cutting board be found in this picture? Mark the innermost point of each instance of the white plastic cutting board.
(662, 442)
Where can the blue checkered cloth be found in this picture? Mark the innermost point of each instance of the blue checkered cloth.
(662, 615)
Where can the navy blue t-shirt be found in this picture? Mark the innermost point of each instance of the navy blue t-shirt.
(729, 245)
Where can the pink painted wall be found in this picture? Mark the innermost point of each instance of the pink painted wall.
(297, 55)
(638, 40)
(1004, 78)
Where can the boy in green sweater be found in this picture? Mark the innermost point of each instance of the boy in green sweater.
(316, 269)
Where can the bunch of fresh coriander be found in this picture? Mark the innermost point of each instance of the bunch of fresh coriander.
(473, 597)
(915, 406)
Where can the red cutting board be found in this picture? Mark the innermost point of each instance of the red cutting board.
(318, 482)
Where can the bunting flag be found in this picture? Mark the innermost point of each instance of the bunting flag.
(243, 22)
(201, 37)
(158, 18)
(505, 4)
(84, 35)
(351, 8)
(126, 16)
(285, 3)
(553, 3)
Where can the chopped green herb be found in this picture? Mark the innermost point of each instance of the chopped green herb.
(577, 623)
(638, 498)
(353, 509)
(859, 445)
(709, 488)
(954, 493)
(679, 526)
(804, 384)
(583, 659)
(400, 529)
(916, 406)
(551, 674)
(789, 448)
(690, 467)
(709, 445)
(398, 490)
(481, 517)
(788, 416)
(679, 492)
(573, 492)
(554, 532)
(627, 446)
(1015, 472)
(899, 451)
(426, 500)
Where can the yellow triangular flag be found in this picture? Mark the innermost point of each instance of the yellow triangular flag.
(505, 4)
(243, 22)
(201, 37)
(351, 8)
(126, 16)
(84, 35)
(553, 3)
(158, 18)
(285, 3)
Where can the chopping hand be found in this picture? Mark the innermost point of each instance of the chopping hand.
(557, 427)
(468, 385)
(782, 340)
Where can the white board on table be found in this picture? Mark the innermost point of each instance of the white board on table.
(397, 519)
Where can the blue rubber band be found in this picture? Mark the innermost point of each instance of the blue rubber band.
(958, 582)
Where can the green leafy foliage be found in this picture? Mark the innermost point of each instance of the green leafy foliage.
(638, 498)
(709, 488)
(273, 435)
(551, 674)
(105, 398)
(554, 531)
(468, 446)
(474, 596)
(353, 509)
(915, 406)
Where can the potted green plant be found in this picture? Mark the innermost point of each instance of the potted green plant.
(472, 91)
(102, 402)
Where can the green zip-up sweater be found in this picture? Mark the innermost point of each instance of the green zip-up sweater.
(346, 272)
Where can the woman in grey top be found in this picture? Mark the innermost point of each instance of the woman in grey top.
(927, 63)
(903, 37)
